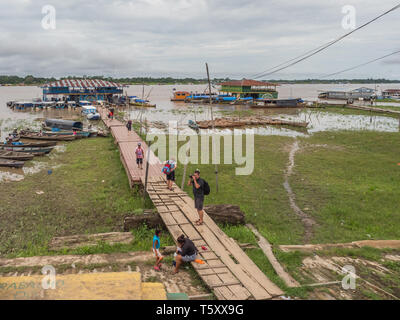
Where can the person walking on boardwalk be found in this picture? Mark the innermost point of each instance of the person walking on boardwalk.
(200, 188)
(169, 170)
(129, 125)
(156, 250)
(186, 252)
(139, 156)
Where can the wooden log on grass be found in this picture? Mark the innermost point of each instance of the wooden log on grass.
(221, 213)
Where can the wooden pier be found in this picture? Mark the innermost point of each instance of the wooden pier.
(227, 271)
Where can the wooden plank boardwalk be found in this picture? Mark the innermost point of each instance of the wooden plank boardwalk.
(228, 271)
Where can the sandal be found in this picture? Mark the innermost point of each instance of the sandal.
(157, 268)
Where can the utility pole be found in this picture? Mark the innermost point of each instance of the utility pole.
(147, 172)
(213, 125)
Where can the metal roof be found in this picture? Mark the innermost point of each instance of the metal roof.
(248, 83)
(72, 83)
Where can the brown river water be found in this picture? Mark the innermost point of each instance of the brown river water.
(167, 110)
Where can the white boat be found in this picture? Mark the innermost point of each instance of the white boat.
(93, 116)
(87, 109)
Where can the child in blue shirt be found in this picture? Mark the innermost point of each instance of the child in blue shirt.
(156, 250)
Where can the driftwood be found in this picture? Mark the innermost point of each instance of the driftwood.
(226, 213)
(248, 121)
(81, 240)
(222, 213)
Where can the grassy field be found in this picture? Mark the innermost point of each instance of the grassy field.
(88, 193)
(350, 182)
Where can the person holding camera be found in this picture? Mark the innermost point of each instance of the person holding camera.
(198, 192)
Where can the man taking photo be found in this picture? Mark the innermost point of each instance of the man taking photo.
(198, 192)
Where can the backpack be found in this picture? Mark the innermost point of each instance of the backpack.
(167, 167)
(206, 188)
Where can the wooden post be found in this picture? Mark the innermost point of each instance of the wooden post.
(213, 125)
(147, 171)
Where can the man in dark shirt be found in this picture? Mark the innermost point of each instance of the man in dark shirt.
(198, 192)
(186, 252)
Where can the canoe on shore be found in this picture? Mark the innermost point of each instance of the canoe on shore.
(48, 137)
(11, 163)
(20, 156)
(33, 150)
(49, 131)
(34, 144)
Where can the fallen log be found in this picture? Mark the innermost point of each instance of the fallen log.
(222, 213)
(83, 240)
(226, 213)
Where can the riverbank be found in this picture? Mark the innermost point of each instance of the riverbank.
(89, 193)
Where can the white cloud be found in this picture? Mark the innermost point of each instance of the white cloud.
(176, 37)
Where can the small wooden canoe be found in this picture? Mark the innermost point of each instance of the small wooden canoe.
(33, 150)
(11, 163)
(20, 156)
(48, 137)
(66, 133)
(35, 144)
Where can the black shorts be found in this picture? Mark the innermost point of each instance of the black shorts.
(139, 160)
(198, 203)
(171, 176)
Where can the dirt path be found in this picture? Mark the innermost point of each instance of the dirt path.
(307, 220)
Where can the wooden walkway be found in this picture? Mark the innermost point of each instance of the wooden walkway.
(228, 271)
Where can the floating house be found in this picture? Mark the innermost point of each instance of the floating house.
(82, 90)
(356, 94)
(391, 94)
(250, 89)
(180, 95)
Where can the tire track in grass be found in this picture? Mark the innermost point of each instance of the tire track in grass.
(307, 221)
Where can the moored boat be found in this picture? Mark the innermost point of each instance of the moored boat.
(11, 163)
(93, 116)
(180, 96)
(55, 131)
(33, 150)
(20, 156)
(50, 137)
(32, 144)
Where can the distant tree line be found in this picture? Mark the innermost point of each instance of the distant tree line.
(30, 80)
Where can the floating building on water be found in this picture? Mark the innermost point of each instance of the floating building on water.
(250, 89)
(391, 94)
(356, 94)
(82, 90)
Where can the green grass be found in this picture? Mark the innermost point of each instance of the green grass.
(260, 195)
(88, 193)
(350, 185)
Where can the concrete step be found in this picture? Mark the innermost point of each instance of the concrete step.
(84, 286)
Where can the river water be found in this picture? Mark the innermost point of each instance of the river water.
(167, 110)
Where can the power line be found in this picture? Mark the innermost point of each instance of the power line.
(361, 65)
(313, 52)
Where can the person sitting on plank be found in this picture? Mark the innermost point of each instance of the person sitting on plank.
(186, 252)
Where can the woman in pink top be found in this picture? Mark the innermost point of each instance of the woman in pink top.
(139, 156)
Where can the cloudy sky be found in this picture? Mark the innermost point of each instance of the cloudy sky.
(238, 38)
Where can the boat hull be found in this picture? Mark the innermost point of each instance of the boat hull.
(18, 156)
(11, 163)
(33, 150)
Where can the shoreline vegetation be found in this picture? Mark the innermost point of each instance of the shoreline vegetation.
(99, 195)
(89, 193)
(30, 80)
